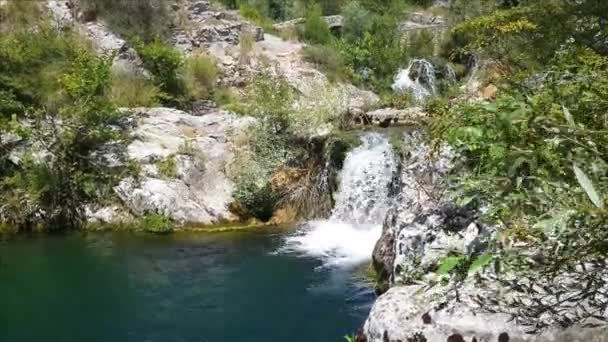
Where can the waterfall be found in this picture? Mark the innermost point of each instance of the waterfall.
(418, 77)
(348, 237)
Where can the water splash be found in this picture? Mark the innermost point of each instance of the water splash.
(418, 77)
(348, 237)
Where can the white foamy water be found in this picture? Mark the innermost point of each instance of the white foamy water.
(348, 237)
(423, 85)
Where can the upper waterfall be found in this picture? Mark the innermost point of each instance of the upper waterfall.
(418, 77)
(361, 203)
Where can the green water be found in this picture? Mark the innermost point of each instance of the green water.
(215, 287)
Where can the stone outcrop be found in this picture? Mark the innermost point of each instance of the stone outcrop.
(424, 227)
(64, 14)
(408, 313)
(334, 22)
(385, 117)
(196, 190)
(204, 26)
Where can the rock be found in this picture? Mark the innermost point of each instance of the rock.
(108, 215)
(104, 41)
(199, 192)
(199, 7)
(403, 313)
(258, 34)
(334, 22)
(489, 92)
(385, 117)
(423, 20)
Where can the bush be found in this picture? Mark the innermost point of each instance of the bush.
(315, 29)
(157, 224)
(256, 198)
(199, 75)
(53, 191)
(270, 98)
(254, 15)
(145, 19)
(356, 21)
(375, 58)
(328, 60)
(167, 167)
(129, 89)
(164, 62)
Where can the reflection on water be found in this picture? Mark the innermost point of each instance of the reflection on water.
(222, 287)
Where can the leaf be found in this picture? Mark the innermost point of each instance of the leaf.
(447, 264)
(480, 262)
(587, 185)
(557, 222)
(568, 116)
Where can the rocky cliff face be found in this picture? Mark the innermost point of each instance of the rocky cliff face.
(182, 158)
(423, 227)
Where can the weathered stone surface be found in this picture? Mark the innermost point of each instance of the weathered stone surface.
(108, 215)
(408, 311)
(199, 191)
(385, 117)
(334, 22)
(64, 13)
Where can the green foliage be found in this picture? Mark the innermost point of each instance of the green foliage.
(315, 29)
(167, 167)
(51, 189)
(270, 98)
(164, 62)
(31, 66)
(356, 21)
(376, 56)
(129, 90)
(251, 13)
(328, 60)
(156, 223)
(144, 19)
(507, 34)
(256, 198)
(199, 75)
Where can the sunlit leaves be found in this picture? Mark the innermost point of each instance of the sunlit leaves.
(587, 185)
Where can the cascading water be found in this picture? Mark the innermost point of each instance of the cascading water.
(419, 77)
(348, 237)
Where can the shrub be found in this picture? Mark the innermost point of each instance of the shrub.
(199, 74)
(167, 167)
(156, 223)
(255, 16)
(245, 47)
(400, 100)
(163, 61)
(256, 198)
(129, 89)
(146, 19)
(328, 60)
(53, 191)
(270, 98)
(356, 21)
(315, 29)
(377, 56)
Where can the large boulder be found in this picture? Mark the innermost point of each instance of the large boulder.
(196, 148)
(410, 313)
